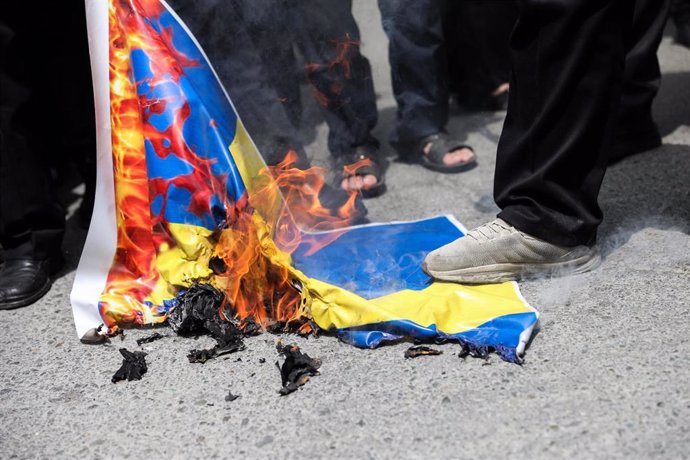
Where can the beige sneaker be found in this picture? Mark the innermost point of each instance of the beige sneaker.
(498, 252)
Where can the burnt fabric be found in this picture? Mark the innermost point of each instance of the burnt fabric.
(417, 56)
(421, 350)
(297, 368)
(568, 59)
(190, 188)
(133, 366)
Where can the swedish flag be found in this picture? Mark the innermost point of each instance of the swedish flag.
(174, 158)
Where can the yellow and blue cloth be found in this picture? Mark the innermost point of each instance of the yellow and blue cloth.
(367, 285)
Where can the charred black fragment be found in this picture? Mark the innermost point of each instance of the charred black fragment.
(474, 351)
(250, 327)
(193, 307)
(197, 311)
(217, 265)
(480, 352)
(231, 397)
(201, 356)
(262, 360)
(151, 338)
(464, 351)
(416, 351)
(133, 366)
(297, 368)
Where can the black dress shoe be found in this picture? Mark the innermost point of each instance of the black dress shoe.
(23, 282)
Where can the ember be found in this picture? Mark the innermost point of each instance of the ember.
(133, 366)
(297, 368)
(421, 350)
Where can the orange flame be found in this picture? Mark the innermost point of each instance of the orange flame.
(262, 230)
(340, 65)
(259, 282)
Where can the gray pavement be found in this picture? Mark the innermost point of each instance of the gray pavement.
(607, 376)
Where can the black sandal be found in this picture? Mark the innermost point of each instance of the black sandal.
(441, 145)
(362, 161)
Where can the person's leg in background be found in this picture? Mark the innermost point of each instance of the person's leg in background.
(32, 223)
(478, 36)
(222, 32)
(328, 38)
(417, 55)
(680, 13)
(635, 128)
(568, 59)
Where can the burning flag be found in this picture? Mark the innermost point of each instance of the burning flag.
(184, 200)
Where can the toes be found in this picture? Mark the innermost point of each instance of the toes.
(356, 183)
(457, 157)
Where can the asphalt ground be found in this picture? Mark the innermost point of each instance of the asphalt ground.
(606, 377)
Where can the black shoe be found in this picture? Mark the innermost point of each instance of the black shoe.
(23, 282)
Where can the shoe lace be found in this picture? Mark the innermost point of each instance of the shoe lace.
(489, 230)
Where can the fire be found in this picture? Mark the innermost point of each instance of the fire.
(259, 280)
(260, 230)
(340, 67)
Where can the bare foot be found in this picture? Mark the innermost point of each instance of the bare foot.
(504, 88)
(356, 183)
(453, 157)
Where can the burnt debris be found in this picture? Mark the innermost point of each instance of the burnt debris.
(297, 369)
(133, 366)
(474, 351)
(197, 311)
(231, 397)
(421, 350)
(151, 338)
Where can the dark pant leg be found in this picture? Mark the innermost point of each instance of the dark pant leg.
(641, 79)
(327, 36)
(220, 29)
(31, 221)
(568, 58)
(418, 63)
(478, 36)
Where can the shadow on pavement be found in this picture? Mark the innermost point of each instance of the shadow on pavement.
(648, 190)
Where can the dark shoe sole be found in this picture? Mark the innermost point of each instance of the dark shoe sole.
(11, 305)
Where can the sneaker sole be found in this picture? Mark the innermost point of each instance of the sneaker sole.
(500, 273)
(28, 300)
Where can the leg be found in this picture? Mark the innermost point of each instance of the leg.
(327, 35)
(635, 129)
(565, 88)
(481, 58)
(680, 12)
(31, 221)
(222, 32)
(568, 60)
(417, 57)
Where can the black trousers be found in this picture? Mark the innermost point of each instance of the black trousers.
(251, 43)
(46, 119)
(327, 36)
(477, 35)
(641, 77)
(224, 33)
(568, 67)
(417, 55)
